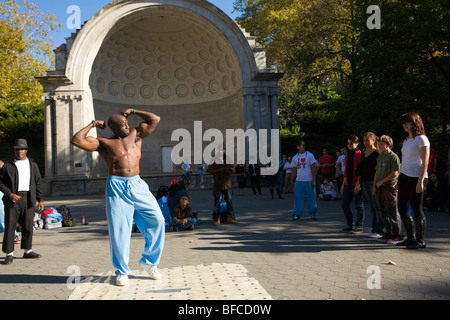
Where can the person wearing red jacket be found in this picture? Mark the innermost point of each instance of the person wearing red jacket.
(348, 188)
(327, 164)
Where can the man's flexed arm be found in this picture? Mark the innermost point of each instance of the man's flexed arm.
(82, 141)
(149, 125)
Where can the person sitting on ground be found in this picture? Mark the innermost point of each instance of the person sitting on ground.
(327, 190)
(183, 216)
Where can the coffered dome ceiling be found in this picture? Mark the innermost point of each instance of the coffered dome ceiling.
(165, 58)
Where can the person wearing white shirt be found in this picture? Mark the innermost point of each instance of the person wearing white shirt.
(21, 184)
(413, 171)
(340, 167)
(186, 169)
(304, 174)
(288, 169)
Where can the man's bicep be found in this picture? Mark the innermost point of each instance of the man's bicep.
(90, 144)
(144, 130)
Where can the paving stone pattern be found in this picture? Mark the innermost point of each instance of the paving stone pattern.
(266, 256)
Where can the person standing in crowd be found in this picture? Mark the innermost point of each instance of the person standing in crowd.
(337, 171)
(366, 172)
(327, 163)
(186, 169)
(240, 175)
(288, 168)
(432, 161)
(413, 171)
(348, 188)
(21, 184)
(222, 187)
(282, 172)
(2, 212)
(128, 197)
(255, 174)
(304, 180)
(200, 168)
(340, 167)
(273, 181)
(385, 190)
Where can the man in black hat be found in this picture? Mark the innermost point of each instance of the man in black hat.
(21, 184)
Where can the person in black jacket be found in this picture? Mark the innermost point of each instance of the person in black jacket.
(21, 184)
(255, 174)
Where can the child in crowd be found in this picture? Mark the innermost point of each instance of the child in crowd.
(183, 216)
(327, 190)
(385, 191)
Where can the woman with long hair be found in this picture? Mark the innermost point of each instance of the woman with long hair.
(413, 171)
(366, 174)
(348, 188)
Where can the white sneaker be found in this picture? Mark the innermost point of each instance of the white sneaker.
(374, 235)
(153, 272)
(122, 280)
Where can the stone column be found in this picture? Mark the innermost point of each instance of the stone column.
(62, 124)
(48, 136)
(274, 111)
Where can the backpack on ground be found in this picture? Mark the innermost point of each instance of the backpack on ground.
(68, 220)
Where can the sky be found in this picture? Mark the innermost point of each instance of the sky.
(90, 7)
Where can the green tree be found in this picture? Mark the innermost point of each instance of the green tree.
(315, 41)
(316, 44)
(341, 75)
(24, 121)
(25, 51)
(407, 65)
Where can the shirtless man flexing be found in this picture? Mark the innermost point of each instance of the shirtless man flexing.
(127, 196)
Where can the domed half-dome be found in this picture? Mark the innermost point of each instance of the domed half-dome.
(165, 58)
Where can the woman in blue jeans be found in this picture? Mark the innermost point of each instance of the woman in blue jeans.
(366, 173)
(348, 188)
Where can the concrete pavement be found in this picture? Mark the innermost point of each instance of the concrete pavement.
(266, 256)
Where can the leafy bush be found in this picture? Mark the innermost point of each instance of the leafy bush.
(22, 121)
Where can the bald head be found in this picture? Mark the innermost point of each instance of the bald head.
(119, 125)
(115, 119)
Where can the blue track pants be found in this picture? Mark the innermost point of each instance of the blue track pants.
(303, 188)
(128, 199)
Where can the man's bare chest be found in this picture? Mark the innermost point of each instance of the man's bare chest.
(116, 148)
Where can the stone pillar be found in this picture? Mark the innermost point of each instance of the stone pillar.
(256, 112)
(62, 122)
(48, 138)
(274, 110)
(248, 111)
